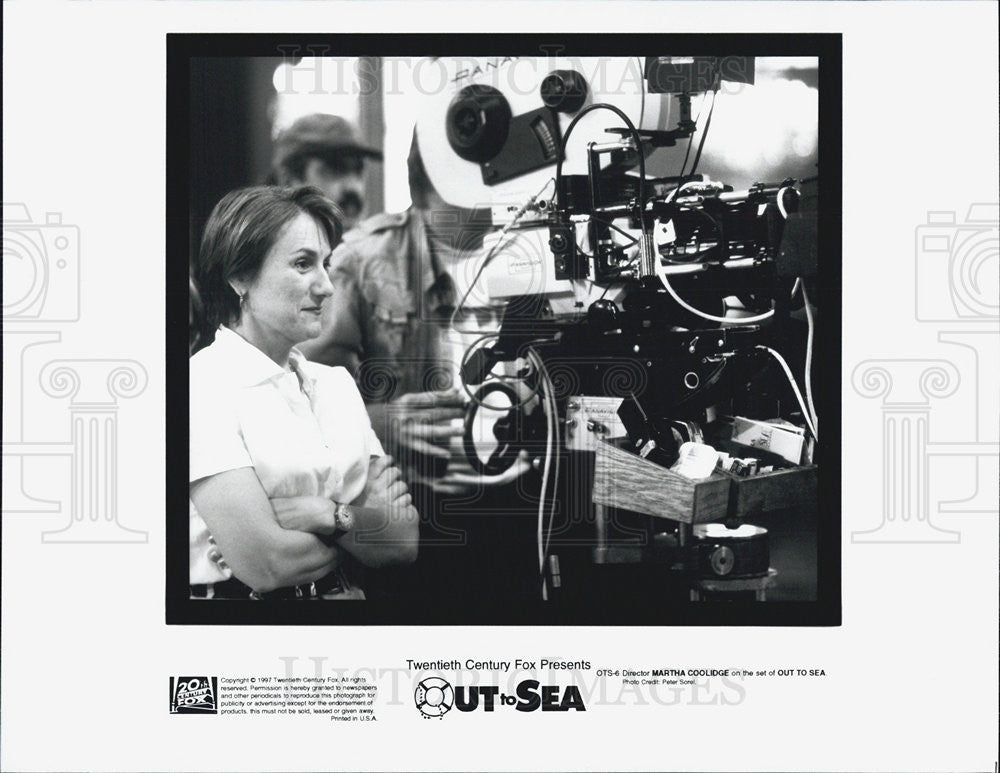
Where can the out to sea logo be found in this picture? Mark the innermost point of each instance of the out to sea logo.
(434, 697)
(193, 695)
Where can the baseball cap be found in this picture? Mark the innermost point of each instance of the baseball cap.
(320, 133)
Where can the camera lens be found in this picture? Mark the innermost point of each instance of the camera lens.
(477, 123)
(564, 90)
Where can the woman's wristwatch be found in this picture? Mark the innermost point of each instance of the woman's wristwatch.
(343, 519)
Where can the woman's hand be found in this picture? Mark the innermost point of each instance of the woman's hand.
(385, 489)
(385, 530)
(313, 514)
(386, 523)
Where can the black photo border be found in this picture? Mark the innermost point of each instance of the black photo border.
(180, 609)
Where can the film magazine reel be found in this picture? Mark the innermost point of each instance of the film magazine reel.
(730, 562)
(731, 554)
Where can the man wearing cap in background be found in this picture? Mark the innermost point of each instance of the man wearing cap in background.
(388, 324)
(326, 151)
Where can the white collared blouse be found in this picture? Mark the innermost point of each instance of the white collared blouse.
(304, 431)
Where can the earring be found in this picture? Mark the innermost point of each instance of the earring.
(243, 299)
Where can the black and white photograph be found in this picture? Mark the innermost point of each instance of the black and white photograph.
(445, 386)
(536, 335)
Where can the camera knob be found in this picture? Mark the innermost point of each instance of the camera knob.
(564, 90)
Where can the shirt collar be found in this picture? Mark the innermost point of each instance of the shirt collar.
(250, 366)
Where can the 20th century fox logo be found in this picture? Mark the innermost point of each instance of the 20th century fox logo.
(193, 695)
(435, 697)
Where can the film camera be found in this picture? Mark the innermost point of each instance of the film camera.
(641, 316)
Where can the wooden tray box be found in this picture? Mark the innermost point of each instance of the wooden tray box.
(625, 480)
(790, 486)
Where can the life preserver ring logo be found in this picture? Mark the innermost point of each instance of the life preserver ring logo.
(434, 697)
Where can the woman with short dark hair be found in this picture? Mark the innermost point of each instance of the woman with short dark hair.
(285, 470)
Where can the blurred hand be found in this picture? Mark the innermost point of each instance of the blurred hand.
(418, 430)
(462, 480)
(422, 432)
